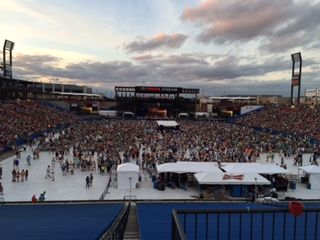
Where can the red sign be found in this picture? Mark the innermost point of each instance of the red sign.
(295, 80)
(153, 89)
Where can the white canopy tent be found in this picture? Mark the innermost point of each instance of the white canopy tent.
(127, 175)
(188, 167)
(202, 115)
(314, 172)
(210, 178)
(310, 169)
(242, 168)
(183, 115)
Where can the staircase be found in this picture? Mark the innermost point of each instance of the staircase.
(132, 229)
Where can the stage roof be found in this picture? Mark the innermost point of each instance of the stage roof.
(242, 168)
(188, 167)
(310, 169)
(167, 123)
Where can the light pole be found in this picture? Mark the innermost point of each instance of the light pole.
(130, 179)
(255, 190)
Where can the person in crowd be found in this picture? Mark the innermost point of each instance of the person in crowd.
(1, 189)
(26, 174)
(29, 160)
(87, 182)
(42, 196)
(34, 199)
(91, 179)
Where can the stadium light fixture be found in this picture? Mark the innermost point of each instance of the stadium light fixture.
(8, 45)
(296, 57)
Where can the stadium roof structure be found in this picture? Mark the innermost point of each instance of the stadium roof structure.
(233, 98)
(78, 94)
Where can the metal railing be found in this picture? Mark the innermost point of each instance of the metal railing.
(130, 197)
(276, 223)
(117, 229)
(106, 190)
(1, 199)
(177, 233)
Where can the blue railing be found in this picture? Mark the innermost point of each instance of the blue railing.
(272, 223)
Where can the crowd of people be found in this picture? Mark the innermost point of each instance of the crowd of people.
(92, 145)
(143, 142)
(20, 119)
(299, 120)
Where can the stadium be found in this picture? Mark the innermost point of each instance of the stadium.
(156, 159)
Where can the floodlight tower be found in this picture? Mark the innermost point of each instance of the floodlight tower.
(7, 64)
(296, 75)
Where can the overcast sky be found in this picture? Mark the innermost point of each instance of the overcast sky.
(218, 46)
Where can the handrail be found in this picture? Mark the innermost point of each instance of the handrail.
(176, 232)
(178, 229)
(130, 197)
(247, 210)
(106, 190)
(117, 229)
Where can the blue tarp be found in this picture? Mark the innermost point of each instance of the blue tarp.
(57, 221)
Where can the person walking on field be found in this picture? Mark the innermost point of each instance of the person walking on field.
(29, 160)
(87, 182)
(48, 172)
(91, 179)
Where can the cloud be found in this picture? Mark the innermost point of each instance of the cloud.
(300, 31)
(185, 70)
(280, 25)
(160, 41)
(228, 21)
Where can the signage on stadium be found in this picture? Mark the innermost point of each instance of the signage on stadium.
(158, 89)
(153, 89)
(295, 80)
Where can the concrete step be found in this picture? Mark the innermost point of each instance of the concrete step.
(132, 230)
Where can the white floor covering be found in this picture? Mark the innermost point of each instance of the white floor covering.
(72, 187)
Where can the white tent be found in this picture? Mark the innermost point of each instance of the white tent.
(127, 174)
(183, 115)
(210, 178)
(202, 115)
(188, 167)
(314, 172)
(241, 168)
(311, 169)
(166, 123)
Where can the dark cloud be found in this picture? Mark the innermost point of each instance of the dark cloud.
(31, 65)
(160, 41)
(228, 21)
(281, 25)
(186, 70)
(302, 31)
